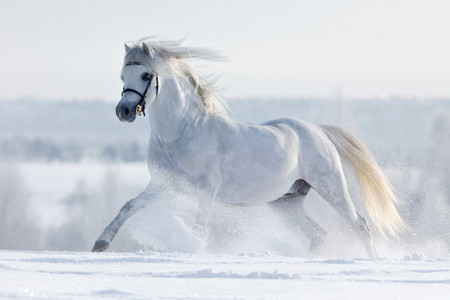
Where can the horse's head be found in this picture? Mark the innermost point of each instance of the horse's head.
(146, 59)
(139, 80)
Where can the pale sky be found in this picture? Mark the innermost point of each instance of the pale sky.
(376, 48)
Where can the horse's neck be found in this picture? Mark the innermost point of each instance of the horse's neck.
(175, 109)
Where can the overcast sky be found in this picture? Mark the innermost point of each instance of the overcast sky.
(375, 48)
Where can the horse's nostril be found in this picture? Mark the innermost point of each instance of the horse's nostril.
(126, 111)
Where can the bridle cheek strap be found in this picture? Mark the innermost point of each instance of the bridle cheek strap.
(140, 108)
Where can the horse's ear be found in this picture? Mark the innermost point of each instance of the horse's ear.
(127, 48)
(147, 50)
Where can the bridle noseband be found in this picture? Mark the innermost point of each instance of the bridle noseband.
(140, 108)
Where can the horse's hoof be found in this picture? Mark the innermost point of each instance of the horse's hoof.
(100, 246)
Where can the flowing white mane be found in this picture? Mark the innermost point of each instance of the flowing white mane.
(172, 54)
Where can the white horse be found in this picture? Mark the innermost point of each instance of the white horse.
(193, 140)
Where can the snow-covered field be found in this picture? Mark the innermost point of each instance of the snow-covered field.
(257, 259)
(151, 275)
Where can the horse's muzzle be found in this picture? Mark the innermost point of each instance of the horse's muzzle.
(125, 113)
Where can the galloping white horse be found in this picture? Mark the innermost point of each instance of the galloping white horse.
(193, 140)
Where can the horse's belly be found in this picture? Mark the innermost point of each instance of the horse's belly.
(245, 195)
(259, 186)
(261, 167)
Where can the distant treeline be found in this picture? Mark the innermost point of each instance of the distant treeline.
(47, 150)
(68, 131)
(79, 130)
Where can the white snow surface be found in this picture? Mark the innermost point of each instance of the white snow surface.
(218, 271)
(153, 275)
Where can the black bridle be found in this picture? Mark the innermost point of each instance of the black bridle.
(140, 108)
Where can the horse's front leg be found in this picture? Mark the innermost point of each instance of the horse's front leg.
(127, 211)
(207, 191)
(205, 206)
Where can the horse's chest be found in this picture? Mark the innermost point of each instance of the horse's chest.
(182, 157)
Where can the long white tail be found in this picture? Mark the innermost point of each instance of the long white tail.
(378, 194)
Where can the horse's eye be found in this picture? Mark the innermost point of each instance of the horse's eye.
(146, 76)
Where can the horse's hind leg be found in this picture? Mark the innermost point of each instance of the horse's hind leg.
(337, 196)
(291, 207)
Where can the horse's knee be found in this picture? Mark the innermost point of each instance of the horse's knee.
(131, 206)
(128, 206)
